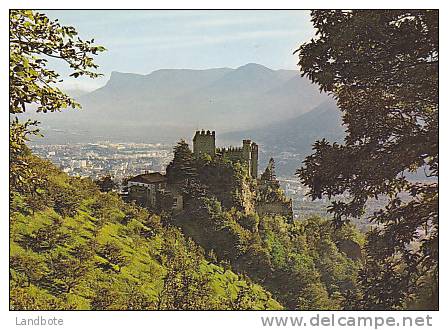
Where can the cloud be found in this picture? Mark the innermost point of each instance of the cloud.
(84, 85)
(170, 42)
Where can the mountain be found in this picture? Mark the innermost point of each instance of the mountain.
(171, 103)
(289, 141)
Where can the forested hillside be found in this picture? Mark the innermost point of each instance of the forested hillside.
(306, 265)
(74, 247)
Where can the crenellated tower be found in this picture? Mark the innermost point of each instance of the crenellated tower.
(204, 143)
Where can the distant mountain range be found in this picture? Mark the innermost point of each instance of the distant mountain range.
(281, 110)
(298, 133)
(171, 103)
(290, 141)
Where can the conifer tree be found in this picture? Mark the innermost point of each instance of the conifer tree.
(269, 173)
(181, 168)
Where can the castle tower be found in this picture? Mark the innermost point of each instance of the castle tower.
(204, 143)
(246, 155)
(246, 150)
(254, 160)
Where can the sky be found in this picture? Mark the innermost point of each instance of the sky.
(142, 41)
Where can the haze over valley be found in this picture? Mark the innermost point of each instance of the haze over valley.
(280, 109)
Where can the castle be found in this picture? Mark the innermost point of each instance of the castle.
(153, 191)
(204, 143)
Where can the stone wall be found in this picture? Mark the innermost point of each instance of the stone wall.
(204, 143)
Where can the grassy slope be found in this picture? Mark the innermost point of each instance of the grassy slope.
(146, 268)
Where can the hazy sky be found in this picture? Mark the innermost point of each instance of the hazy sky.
(144, 41)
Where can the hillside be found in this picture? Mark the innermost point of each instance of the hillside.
(306, 265)
(73, 247)
(170, 103)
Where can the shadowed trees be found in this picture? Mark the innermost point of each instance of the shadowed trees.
(382, 68)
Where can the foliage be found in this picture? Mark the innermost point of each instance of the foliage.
(382, 68)
(106, 184)
(224, 180)
(205, 176)
(21, 179)
(220, 213)
(105, 254)
(33, 39)
(269, 172)
(299, 262)
(184, 288)
(269, 190)
(45, 238)
(65, 271)
(181, 167)
(113, 254)
(74, 246)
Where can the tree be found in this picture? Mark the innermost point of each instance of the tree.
(66, 200)
(382, 68)
(181, 167)
(106, 184)
(104, 297)
(113, 253)
(32, 268)
(269, 173)
(269, 191)
(26, 299)
(110, 294)
(46, 238)
(184, 286)
(21, 178)
(34, 38)
(65, 271)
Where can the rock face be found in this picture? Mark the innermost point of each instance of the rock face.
(350, 248)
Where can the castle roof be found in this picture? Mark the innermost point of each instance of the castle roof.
(149, 178)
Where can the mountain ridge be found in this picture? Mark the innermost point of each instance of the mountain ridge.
(170, 103)
(294, 136)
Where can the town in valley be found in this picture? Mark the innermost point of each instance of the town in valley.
(124, 160)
